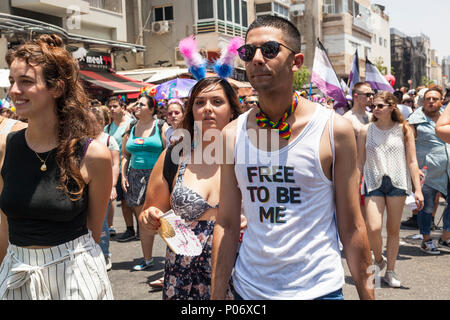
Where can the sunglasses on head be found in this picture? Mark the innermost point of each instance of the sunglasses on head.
(269, 50)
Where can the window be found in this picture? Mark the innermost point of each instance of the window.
(163, 13)
(237, 12)
(385, 43)
(110, 5)
(205, 9)
(328, 6)
(229, 11)
(263, 7)
(244, 14)
(220, 10)
(380, 41)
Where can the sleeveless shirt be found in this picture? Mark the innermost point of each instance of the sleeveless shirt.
(187, 203)
(386, 156)
(145, 151)
(290, 249)
(38, 212)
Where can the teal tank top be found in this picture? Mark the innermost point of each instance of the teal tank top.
(145, 151)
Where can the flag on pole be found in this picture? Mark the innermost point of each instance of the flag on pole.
(344, 86)
(353, 77)
(325, 78)
(376, 79)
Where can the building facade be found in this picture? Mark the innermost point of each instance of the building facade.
(94, 31)
(159, 25)
(410, 58)
(343, 26)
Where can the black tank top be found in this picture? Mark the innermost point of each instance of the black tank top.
(38, 212)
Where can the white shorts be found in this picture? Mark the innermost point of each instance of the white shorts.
(74, 270)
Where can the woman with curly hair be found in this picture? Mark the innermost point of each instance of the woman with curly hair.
(56, 182)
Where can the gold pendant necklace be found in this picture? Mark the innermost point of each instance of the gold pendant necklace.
(43, 167)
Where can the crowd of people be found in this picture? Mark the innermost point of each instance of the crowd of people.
(301, 182)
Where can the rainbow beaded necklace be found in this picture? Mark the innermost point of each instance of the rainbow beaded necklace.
(284, 129)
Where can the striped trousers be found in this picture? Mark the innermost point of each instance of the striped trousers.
(74, 270)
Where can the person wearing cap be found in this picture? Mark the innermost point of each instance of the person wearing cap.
(405, 105)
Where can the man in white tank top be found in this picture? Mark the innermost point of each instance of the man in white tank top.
(290, 249)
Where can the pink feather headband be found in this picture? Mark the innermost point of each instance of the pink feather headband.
(197, 64)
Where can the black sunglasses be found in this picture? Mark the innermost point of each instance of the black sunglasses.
(368, 94)
(269, 50)
(379, 106)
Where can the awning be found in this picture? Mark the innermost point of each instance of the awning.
(114, 82)
(154, 75)
(166, 74)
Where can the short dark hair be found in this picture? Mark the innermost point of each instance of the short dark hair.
(115, 99)
(279, 23)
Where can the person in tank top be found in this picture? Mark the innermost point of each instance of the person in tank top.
(387, 160)
(194, 192)
(298, 185)
(56, 182)
(142, 146)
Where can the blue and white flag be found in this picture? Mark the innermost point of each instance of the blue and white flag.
(325, 78)
(353, 77)
(376, 79)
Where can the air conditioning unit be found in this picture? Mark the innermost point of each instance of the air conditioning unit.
(160, 27)
(297, 10)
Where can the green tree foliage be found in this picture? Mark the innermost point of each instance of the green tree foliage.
(379, 63)
(301, 78)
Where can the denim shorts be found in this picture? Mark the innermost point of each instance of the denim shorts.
(385, 190)
(336, 295)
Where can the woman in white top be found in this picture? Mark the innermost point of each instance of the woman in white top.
(387, 159)
(100, 118)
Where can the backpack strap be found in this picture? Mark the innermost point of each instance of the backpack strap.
(169, 169)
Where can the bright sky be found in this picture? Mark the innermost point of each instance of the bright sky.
(430, 17)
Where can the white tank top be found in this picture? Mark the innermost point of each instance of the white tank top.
(290, 249)
(386, 156)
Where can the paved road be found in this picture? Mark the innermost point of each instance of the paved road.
(423, 277)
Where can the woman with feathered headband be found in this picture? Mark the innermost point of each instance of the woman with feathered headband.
(190, 189)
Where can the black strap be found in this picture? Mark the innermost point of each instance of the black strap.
(170, 169)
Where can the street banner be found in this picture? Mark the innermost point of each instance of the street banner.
(376, 79)
(325, 78)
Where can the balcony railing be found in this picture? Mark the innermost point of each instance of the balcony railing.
(220, 27)
(362, 23)
(109, 5)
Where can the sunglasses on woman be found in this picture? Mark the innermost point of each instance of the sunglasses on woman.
(269, 50)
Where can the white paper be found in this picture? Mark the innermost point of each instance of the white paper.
(185, 242)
